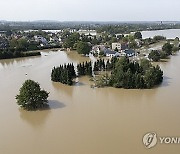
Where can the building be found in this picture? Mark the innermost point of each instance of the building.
(97, 49)
(116, 45)
(109, 53)
(40, 39)
(87, 32)
(129, 52)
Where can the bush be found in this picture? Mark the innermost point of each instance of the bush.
(158, 38)
(130, 75)
(154, 55)
(83, 48)
(167, 48)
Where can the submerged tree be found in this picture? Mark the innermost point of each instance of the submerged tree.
(154, 55)
(167, 48)
(63, 74)
(84, 68)
(131, 75)
(31, 97)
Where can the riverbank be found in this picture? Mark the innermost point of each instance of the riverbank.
(10, 55)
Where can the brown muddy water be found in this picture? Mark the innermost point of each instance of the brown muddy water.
(83, 120)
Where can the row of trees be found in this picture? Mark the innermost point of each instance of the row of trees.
(63, 74)
(66, 73)
(84, 68)
(166, 51)
(5, 54)
(132, 75)
(17, 48)
(101, 65)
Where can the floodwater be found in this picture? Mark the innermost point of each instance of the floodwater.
(82, 120)
(168, 33)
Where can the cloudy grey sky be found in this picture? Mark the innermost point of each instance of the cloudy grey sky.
(90, 10)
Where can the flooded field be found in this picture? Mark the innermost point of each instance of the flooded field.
(82, 120)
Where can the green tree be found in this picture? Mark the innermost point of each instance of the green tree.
(167, 48)
(133, 45)
(71, 40)
(145, 64)
(153, 76)
(154, 55)
(31, 97)
(149, 78)
(83, 48)
(13, 43)
(138, 35)
(22, 44)
(158, 38)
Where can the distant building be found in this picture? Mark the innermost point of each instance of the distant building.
(129, 52)
(109, 53)
(116, 45)
(119, 35)
(87, 32)
(40, 39)
(98, 48)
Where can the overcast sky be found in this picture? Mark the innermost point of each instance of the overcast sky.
(90, 10)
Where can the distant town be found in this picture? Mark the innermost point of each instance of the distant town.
(100, 41)
(126, 56)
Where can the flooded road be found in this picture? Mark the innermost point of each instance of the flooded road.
(83, 120)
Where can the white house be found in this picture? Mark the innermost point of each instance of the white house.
(97, 49)
(87, 32)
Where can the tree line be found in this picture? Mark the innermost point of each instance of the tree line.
(66, 73)
(123, 73)
(167, 50)
(63, 74)
(84, 68)
(132, 75)
(8, 54)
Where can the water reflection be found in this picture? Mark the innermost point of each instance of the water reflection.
(63, 89)
(53, 104)
(7, 62)
(34, 118)
(75, 57)
(38, 118)
(166, 81)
